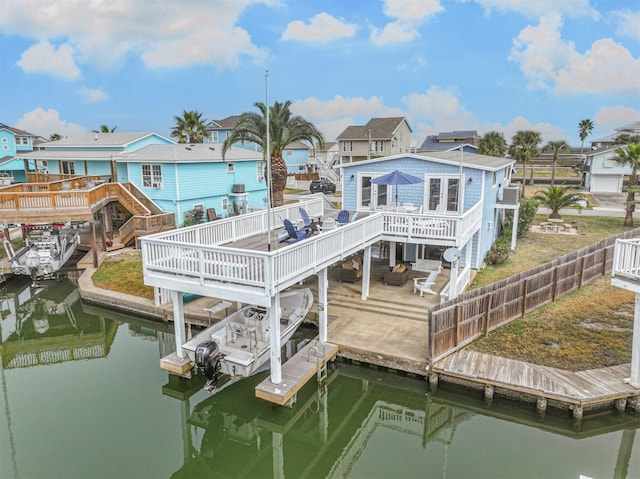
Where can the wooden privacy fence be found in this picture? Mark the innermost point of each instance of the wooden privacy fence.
(455, 323)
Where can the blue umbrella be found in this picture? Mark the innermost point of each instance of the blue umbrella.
(397, 178)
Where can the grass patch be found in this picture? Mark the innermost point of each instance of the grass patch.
(587, 329)
(539, 248)
(124, 275)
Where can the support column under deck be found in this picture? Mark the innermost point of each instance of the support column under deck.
(274, 337)
(323, 320)
(635, 346)
(178, 322)
(366, 272)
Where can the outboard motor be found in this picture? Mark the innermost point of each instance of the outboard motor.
(208, 361)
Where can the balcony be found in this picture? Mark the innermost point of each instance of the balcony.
(625, 272)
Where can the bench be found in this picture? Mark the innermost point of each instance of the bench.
(427, 265)
(423, 285)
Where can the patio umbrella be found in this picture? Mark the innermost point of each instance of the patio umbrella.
(397, 178)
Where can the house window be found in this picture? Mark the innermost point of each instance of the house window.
(259, 171)
(377, 146)
(4, 140)
(495, 178)
(224, 204)
(230, 168)
(152, 176)
(214, 137)
(347, 146)
(68, 167)
(609, 163)
(5, 147)
(289, 152)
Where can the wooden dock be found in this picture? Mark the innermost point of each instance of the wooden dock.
(296, 372)
(591, 388)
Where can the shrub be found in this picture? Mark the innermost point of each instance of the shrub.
(527, 213)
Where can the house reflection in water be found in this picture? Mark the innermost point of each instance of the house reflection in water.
(46, 325)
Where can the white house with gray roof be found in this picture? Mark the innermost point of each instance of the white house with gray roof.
(379, 137)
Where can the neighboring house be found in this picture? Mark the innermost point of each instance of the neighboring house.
(92, 154)
(601, 173)
(379, 137)
(296, 155)
(188, 180)
(326, 160)
(468, 217)
(631, 129)
(451, 140)
(12, 142)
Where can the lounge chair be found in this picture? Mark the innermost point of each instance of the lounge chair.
(343, 218)
(423, 285)
(308, 224)
(294, 235)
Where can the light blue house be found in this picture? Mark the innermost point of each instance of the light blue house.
(193, 180)
(12, 142)
(296, 154)
(461, 199)
(93, 154)
(601, 172)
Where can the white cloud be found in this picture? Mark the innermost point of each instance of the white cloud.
(321, 28)
(548, 61)
(163, 35)
(45, 58)
(549, 132)
(611, 117)
(628, 23)
(409, 15)
(537, 8)
(92, 95)
(47, 122)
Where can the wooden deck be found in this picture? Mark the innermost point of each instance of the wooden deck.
(296, 372)
(584, 388)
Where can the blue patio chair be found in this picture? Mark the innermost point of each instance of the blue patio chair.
(305, 218)
(343, 217)
(293, 235)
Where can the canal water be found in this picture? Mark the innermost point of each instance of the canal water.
(83, 396)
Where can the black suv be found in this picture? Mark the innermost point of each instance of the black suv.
(324, 186)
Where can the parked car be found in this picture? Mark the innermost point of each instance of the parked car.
(324, 185)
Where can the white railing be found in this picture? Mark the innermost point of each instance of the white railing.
(426, 227)
(200, 255)
(626, 259)
(265, 273)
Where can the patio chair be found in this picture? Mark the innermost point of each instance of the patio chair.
(423, 285)
(343, 218)
(308, 224)
(293, 235)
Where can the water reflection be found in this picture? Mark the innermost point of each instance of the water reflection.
(46, 325)
(122, 416)
(349, 426)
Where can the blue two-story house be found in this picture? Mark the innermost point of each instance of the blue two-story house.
(295, 155)
(12, 142)
(194, 180)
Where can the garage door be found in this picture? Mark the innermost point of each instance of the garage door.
(606, 183)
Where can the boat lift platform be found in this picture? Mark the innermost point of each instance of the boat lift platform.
(297, 371)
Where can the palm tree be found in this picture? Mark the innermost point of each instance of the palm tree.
(584, 128)
(55, 137)
(284, 129)
(190, 127)
(630, 156)
(555, 198)
(555, 147)
(524, 145)
(105, 129)
(492, 144)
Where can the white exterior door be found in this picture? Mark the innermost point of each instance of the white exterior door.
(441, 194)
(370, 195)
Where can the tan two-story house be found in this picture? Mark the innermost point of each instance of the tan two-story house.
(379, 137)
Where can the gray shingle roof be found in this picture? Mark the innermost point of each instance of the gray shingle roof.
(183, 153)
(97, 140)
(227, 123)
(380, 128)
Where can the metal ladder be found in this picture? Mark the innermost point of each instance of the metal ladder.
(321, 364)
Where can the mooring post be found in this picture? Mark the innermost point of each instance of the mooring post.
(541, 407)
(620, 404)
(433, 381)
(488, 394)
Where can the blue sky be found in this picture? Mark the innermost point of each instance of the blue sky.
(69, 66)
